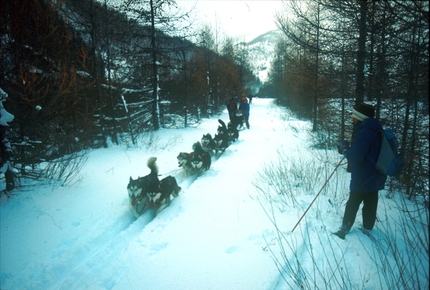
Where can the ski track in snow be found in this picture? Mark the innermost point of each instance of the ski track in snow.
(121, 232)
(75, 261)
(101, 253)
(111, 243)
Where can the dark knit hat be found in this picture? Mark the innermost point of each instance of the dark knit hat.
(363, 111)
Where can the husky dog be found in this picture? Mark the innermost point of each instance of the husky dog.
(222, 130)
(221, 139)
(233, 132)
(161, 199)
(238, 120)
(207, 143)
(138, 202)
(221, 143)
(184, 161)
(200, 159)
(139, 188)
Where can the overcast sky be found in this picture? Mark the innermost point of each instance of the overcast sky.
(243, 19)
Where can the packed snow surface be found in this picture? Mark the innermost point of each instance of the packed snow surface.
(217, 234)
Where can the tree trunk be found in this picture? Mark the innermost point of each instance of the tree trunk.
(112, 104)
(155, 95)
(95, 70)
(342, 94)
(359, 93)
(315, 115)
(412, 98)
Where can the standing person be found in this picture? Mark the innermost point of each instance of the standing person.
(231, 108)
(244, 107)
(366, 180)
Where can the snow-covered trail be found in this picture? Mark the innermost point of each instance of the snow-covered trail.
(215, 234)
(210, 228)
(85, 237)
(206, 227)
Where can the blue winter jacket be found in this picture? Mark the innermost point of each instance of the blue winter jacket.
(245, 108)
(362, 157)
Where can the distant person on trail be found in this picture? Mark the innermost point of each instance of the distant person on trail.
(231, 108)
(250, 99)
(366, 180)
(244, 107)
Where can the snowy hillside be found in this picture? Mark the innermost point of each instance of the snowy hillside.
(229, 228)
(261, 50)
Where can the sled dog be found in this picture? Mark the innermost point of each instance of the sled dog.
(222, 129)
(233, 132)
(161, 199)
(207, 143)
(138, 188)
(238, 120)
(138, 202)
(184, 161)
(221, 143)
(200, 159)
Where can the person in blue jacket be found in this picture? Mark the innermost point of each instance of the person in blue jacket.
(366, 180)
(244, 107)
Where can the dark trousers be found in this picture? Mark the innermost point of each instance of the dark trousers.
(231, 115)
(247, 121)
(370, 204)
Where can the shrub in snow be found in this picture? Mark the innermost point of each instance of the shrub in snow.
(5, 167)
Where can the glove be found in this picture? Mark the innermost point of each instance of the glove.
(342, 147)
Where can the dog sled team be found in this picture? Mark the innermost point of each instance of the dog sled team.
(149, 192)
(200, 158)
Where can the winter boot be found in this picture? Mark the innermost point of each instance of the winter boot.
(341, 233)
(365, 231)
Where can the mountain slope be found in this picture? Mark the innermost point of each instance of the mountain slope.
(261, 51)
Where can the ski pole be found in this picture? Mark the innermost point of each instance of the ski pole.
(318, 194)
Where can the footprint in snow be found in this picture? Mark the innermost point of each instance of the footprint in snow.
(232, 249)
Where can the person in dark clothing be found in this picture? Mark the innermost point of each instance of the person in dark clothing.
(244, 107)
(366, 180)
(231, 108)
